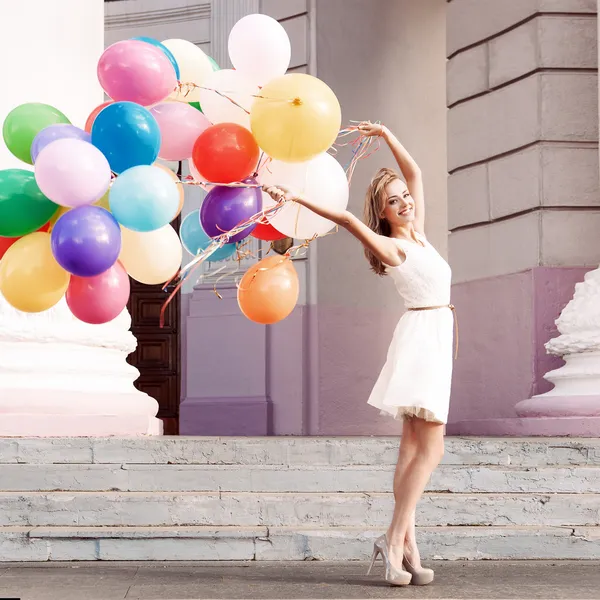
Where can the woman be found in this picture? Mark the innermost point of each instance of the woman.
(414, 384)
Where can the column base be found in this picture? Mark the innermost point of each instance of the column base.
(528, 427)
(225, 416)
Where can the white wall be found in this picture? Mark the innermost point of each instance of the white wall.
(66, 35)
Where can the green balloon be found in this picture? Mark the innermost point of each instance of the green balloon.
(23, 207)
(196, 105)
(213, 62)
(24, 122)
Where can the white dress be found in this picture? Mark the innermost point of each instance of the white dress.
(416, 378)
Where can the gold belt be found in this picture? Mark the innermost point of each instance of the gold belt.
(453, 309)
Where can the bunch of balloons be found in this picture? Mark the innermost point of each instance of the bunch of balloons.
(98, 207)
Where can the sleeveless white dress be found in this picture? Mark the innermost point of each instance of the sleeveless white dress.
(416, 378)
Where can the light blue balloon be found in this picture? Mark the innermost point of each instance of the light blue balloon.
(167, 52)
(144, 198)
(194, 238)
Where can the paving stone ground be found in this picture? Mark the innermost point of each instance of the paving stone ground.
(254, 580)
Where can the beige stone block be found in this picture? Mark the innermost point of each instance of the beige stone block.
(573, 6)
(467, 74)
(297, 30)
(471, 21)
(495, 249)
(513, 54)
(515, 182)
(495, 123)
(468, 198)
(282, 10)
(569, 106)
(570, 175)
(568, 41)
(570, 238)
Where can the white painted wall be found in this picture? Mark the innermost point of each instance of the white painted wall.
(57, 64)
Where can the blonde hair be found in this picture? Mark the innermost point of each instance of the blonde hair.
(374, 205)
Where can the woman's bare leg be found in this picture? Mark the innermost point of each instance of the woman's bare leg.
(426, 447)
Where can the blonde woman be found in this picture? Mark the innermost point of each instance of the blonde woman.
(414, 384)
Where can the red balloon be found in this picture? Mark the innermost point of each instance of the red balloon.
(101, 298)
(225, 153)
(267, 233)
(94, 114)
(7, 242)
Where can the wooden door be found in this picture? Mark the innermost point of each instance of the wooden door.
(157, 355)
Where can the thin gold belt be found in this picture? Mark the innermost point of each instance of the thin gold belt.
(453, 309)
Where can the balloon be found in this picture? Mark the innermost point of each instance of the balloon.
(321, 180)
(127, 134)
(213, 64)
(180, 125)
(226, 207)
(232, 85)
(57, 132)
(144, 198)
(7, 242)
(194, 238)
(197, 177)
(194, 65)
(72, 173)
(24, 122)
(269, 290)
(180, 189)
(305, 125)
(267, 233)
(86, 241)
(103, 202)
(99, 299)
(225, 153)
(94, 114)
(259, 48)
(30, 278)
(152, 257)
(23, 207)
(136, 72)
(164, 49)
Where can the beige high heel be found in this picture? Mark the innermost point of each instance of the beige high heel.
(392, 575)
(420, 576)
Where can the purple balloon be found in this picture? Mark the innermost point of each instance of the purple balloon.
(225, 207)
(86, 241)
(52, 133)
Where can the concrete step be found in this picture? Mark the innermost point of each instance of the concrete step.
(523, 452)
(282, 478)
(290, 509)
(288, 543)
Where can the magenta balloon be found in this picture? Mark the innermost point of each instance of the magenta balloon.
(101, 298)
(226, 207)
(180, 125)
(135, 71)
(71, 172)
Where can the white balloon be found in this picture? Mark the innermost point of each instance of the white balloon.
(232, 84)
(259, 48)
(321, 180)
(194, 67)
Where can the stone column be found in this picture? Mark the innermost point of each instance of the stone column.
(59, 376)
(523, 194)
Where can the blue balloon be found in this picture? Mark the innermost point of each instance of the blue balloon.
(144, 198)
(167, 52)
(127, 134)
(194, 238)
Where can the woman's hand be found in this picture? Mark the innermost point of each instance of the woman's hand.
(279, 192)
(369, 129)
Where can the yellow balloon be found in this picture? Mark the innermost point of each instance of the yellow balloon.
(297, 117)
(151, 257)
(103, 202)
(30, 278)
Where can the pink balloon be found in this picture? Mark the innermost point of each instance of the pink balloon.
(72, 172)
(197, 177)
(180, 125)
(136, 71)
(99, 299)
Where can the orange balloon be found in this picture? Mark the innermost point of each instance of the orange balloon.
(94, 114)
(176, 179)
(269, 290)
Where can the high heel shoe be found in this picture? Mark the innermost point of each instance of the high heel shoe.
(393, 575)
(420, 575)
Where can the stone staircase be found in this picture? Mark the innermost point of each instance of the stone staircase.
(176, 498)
